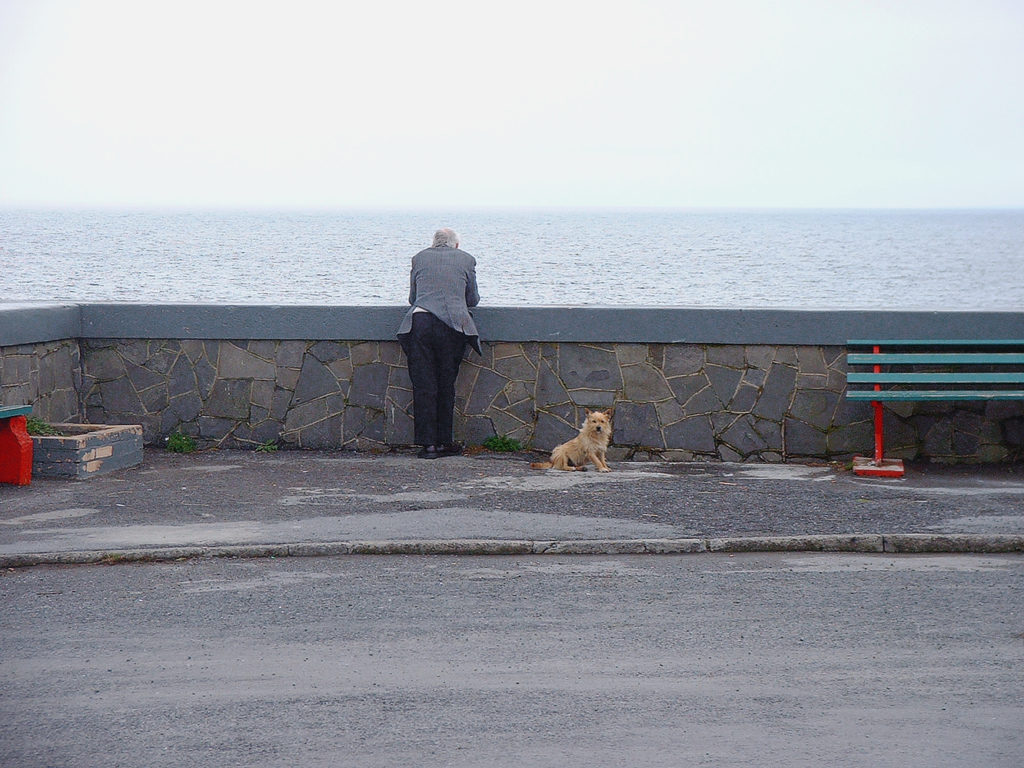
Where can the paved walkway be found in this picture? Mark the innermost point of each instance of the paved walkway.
(289, 503)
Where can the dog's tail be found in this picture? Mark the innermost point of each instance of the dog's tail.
(541, 465)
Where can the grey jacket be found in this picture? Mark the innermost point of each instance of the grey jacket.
(443, 282)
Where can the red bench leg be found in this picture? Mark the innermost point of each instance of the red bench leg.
(880, 467)
(15, 452)
(878, 431)
(877, 466)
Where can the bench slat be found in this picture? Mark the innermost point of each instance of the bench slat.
(924, 358)
(936, 343)
(935, 394)
(924, 377)
(962, 363)
(7, 411)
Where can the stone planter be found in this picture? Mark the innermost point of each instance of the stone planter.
(85, 450)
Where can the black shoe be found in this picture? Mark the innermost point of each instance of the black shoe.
(452, 449)
(429, 452)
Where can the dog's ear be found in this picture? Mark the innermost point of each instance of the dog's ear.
(588, 411)
(609, 412)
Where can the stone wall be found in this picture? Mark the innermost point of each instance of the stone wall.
(45, 375)
(309, 394)
(685, 382)
(671, 401)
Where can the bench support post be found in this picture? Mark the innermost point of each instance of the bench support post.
(879, 466)
(15, 451)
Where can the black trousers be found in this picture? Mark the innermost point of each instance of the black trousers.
(434, 352)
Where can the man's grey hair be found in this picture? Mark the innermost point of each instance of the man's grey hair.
(446, 238)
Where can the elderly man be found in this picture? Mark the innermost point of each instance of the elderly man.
(434, 334)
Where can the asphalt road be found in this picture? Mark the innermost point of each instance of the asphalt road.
(722, 660)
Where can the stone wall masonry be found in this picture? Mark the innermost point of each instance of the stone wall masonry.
(671, 401)
(685, 382)
(308, 394)
(45, 375)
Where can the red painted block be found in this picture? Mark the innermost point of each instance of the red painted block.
(15, 451)
(866, 467)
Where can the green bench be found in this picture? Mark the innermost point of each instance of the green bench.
(934, 370)
(15, 445)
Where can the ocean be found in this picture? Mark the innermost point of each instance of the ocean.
(799, 259)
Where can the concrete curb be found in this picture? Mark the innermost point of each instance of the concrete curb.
(821, 543)
(915, 543)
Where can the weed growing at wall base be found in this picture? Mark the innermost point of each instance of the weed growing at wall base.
(39, 428)
(502, 444)
(179, 443)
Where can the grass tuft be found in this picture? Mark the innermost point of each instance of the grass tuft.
(40, 428)
(502, 444)
(179, 443)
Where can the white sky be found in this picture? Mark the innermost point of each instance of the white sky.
(894, 103)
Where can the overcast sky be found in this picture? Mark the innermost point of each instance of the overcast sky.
(818, 103)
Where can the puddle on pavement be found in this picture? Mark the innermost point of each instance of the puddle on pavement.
(48, 517)
(783, 472)
(283, 579)
(549, 480)
(855, 563)
(556, 480)
(211, 468)
(983, 524)
(599, 569)
(429, 524)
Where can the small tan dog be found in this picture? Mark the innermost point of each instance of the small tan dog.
(589, 445)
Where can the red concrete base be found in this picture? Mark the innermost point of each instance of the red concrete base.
(866, 467)
(15, 451)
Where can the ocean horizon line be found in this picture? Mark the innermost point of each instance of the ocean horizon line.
(482, 208)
